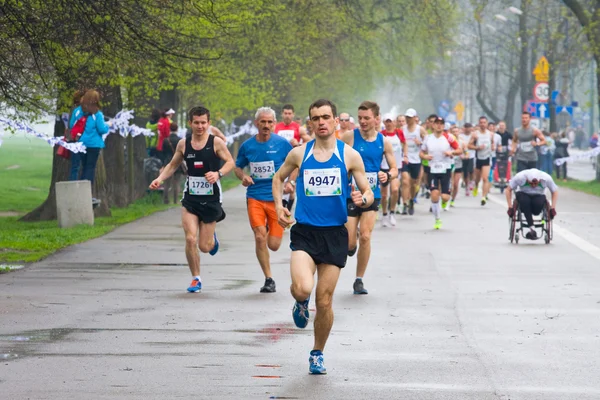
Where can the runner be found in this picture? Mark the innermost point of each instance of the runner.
(289, 129)
(372, 148)
(319, 239)
(202, 195)
(495, 144)
(425, 176)
(264, 153)
(439, 148)
(344, 125)
(482, 141)
(412, 170)
(503, 164)
(469, 162)
(396, 138)
(524, 143)
(400, 123)
(458, 164)
(292, 132)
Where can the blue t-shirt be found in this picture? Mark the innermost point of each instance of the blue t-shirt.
(264, 159)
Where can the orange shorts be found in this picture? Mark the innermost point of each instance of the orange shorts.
(262, 213)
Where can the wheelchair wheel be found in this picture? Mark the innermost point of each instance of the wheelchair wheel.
(517, 237)
(511, 229)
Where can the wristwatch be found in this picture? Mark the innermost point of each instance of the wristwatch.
(220, 174)
(293, 183)
(364, 201)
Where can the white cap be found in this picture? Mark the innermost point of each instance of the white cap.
(387, 116)
(410, 113)
(171, 111)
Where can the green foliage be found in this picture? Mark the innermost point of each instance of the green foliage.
(232, 55)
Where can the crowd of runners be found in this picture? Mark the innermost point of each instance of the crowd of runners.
(339, 176)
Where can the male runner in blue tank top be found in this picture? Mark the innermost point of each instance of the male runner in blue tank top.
(319, 239)
(372, 147)
(202, 153)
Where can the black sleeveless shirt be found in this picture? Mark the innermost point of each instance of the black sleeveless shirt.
(199, 162)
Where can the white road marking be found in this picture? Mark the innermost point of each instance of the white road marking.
(569, 236)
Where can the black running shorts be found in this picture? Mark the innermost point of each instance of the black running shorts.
(207, 212)
(355, 211)
(413, 170)
(482, 163)
(325, 245)
(440, 180)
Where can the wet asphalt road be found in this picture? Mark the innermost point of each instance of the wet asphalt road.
(453, 314)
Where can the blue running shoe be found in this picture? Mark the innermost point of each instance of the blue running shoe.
(215, 248)
(315, 365)
(300, 313)
(195, 286)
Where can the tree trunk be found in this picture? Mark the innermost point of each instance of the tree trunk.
(60, 172)
(169, 99)
(114, 164)
(114, 157)
(139, 154)
(100, 188)
(523, 66)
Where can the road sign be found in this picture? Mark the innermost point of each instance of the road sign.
(535, 123)
(451, 117)
(459, 108)
(542, 70)
(564, 109)
(554, 96)
(541, 92)
(540, 110)
(529, 107)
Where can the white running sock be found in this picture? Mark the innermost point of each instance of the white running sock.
(197, 277)
(436, 209)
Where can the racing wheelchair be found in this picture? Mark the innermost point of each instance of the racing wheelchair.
(542, 224)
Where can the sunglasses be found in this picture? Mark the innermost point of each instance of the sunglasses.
(344, 119)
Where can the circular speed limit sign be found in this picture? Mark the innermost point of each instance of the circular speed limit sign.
(541, 91)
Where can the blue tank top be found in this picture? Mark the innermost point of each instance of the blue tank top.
(322, 188)
(372, 154)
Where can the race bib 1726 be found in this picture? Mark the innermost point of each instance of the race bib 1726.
(199, 186)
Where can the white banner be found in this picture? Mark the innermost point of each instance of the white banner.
(119, 124)
(581, 156)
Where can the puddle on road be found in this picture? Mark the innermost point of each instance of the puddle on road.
(273, 333)
(236, 283)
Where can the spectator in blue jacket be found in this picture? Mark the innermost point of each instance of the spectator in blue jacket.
(91, 138)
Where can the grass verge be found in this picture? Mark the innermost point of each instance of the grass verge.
(591, 187)
(22, 242)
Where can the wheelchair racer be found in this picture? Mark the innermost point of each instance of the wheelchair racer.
(530, 196)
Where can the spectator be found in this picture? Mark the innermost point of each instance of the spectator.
(153, 126)
(164, 130)
(546, 154)
(594, 140)
(91, 138)
(174, 182)
(562, 150)
(75, 157)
